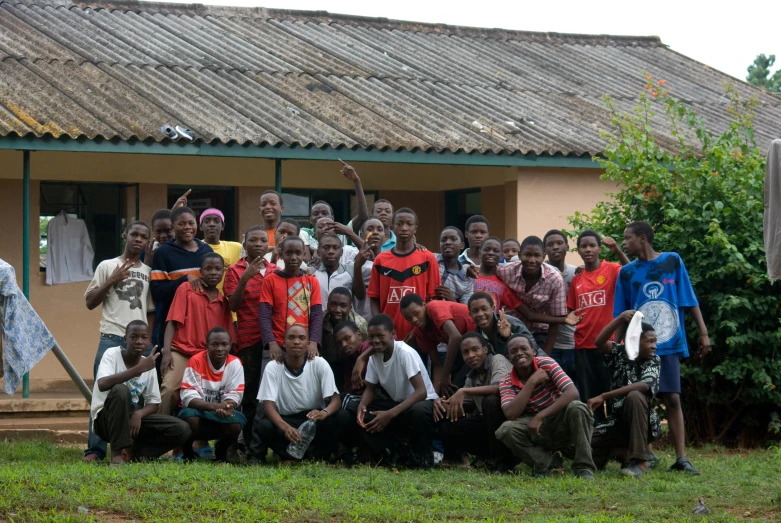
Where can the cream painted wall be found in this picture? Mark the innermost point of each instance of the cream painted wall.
(492, 204)
(547, 196)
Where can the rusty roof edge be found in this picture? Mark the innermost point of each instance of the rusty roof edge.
(326, 17)
(31, 142)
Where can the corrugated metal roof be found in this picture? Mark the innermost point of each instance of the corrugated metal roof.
(253, 75)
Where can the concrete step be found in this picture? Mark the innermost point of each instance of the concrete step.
(59, 418)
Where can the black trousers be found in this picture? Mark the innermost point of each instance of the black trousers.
(253, 361)
(158, 434)
(329, 434)
(414, 426)
(591, 376)
(475, 435)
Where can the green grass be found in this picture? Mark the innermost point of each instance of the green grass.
(45, 482)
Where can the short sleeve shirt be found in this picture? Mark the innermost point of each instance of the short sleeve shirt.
(593, 293)
(127, 300)
(294, 393)
(341, 277)
(394, 276)
(394, 375)
(565, 337)
(457, 281)
(496, 367)
(231, 253)
(144, 385)
(248, 333)
(438, 312)
(195, 315)
(661, 290)
(499, 291)
(543, 395)
(547, 296)
(291, 299)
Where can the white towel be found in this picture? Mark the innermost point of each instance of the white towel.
(632, 336)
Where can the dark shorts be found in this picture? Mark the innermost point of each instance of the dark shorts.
(670, 374)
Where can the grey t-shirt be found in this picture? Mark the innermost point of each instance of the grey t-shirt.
(565, 339)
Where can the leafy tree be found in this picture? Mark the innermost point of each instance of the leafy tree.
(759, 74)
(705, 203)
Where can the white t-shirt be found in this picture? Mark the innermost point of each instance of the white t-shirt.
(127, 300)
(297, 393)
(144, 385)
(394, 375)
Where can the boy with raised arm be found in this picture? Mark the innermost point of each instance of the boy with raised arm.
(495, 326)
(126, 398)
(408, 413)
(657, 285)
(631, 421)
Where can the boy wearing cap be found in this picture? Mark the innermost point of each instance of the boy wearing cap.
(212, 225)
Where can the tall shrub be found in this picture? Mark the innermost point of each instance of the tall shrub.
(703, 194)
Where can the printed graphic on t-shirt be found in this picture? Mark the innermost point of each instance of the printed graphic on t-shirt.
(131, 290)
(659, 312)
(396, 293)
(213, 396)
(593, 299)
(298, 303)
(136, 386)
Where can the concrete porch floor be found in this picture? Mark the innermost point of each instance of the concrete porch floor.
(51, 416)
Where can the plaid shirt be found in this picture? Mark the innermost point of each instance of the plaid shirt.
(548, 295)
(461, 284)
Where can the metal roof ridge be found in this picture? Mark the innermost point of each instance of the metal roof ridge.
(196, 9)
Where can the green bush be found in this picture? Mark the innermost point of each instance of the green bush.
(705, 202)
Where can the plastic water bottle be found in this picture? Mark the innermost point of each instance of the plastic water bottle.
(307, 432)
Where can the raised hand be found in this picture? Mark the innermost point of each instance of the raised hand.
(122, 272)
(182, 201)
(610, 243)
(148, 363)
(348, 171)
(503, 325)
(253, 268)
(363, 255)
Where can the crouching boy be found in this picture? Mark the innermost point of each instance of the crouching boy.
(294, 391)
(629, 422)
(212, 388)
(126, 398)
(544, 414)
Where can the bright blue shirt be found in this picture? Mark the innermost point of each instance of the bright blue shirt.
(660, 289)
(389, 244)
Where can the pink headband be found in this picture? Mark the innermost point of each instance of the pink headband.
(212, 212)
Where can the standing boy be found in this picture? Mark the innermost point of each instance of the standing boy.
(289, 297)
(657, 285)
(592, 292)
(271, 211)
(373, 235)
(333, 273)
(192, 315)
(243, 283)
(124, 377)
(477, 229)
(631, 421)
(121, 286)
(212, 389)
(556, 247)
(403, 270)
(212, 225)
(174, 263)
(544, 414)
(456, 285)
(294, 391)
(408, 413)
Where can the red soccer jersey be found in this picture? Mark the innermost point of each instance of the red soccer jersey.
(439, 312)
(502, 294)
(291, 299)
(593, 291)
(194, 316)
(394, 276)
(247, 316)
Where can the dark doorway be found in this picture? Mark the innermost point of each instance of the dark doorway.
(460, 205)
(205, 197)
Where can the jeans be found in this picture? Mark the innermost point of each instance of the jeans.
(95, 445)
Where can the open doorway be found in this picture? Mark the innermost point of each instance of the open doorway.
(204, 197)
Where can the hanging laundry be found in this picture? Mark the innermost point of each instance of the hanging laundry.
(70, 254)
(26, 340)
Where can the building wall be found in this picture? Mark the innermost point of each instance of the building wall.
(517, 202)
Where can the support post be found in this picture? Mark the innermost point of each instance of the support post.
(278, 175)
(26, 247)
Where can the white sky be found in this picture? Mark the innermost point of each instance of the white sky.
(726, 35)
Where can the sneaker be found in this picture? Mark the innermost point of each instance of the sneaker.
(437, 457)
(585, 474)
(684, 465)
(633, 471)
(652, 460)
(91, 457)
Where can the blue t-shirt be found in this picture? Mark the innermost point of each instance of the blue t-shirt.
(660, 289)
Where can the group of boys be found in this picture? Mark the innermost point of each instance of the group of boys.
(397, 355)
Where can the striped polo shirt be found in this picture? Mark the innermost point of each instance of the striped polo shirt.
(543, 395)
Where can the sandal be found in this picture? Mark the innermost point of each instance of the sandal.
(204, 453)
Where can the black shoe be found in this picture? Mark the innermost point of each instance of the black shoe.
(585, 474)
(683, 465)
(652, 460)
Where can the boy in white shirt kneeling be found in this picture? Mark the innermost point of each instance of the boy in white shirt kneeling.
(408, 416)
(293, 392)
